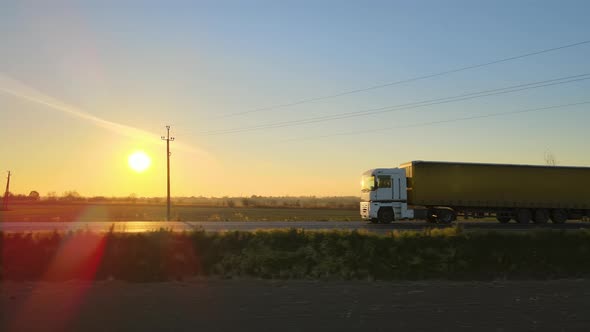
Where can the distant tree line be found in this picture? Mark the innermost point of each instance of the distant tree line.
(33, 196)
(336, 202)
(254, 201)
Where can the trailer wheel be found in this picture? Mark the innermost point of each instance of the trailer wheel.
(558, 216)
(541, 216)
(523, 216)
(503, 219)
(385, 215)
(445, 216)
(374, 220)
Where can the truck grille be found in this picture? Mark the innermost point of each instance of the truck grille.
(365, 209)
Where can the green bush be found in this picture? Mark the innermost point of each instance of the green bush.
(407, 255)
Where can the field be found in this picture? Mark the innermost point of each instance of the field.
(295, 280)
(87, 212)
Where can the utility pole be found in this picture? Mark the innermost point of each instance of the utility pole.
(168, 139)
(6, 193)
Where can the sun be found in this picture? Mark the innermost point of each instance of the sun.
(139, 161)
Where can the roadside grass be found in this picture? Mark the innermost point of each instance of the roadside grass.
(295, 254)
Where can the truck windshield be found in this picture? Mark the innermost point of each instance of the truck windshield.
(367, 183)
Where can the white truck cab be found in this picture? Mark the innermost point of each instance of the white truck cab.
(384, 196)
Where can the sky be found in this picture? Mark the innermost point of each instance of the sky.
(84, 84)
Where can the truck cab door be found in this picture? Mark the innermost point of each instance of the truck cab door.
(399, 184)
(384, 191)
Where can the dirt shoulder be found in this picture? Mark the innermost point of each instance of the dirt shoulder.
(262, 305)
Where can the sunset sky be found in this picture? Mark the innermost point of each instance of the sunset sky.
(83, 85)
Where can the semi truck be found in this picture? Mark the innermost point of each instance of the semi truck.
(439, 192)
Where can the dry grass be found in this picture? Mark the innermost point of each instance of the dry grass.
(296, 254)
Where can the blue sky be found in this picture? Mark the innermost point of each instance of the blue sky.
(146, 64)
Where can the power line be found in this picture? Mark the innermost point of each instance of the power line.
(430, 102)
(413, 79)
(168, 139)
(423, 124)
(396, 107)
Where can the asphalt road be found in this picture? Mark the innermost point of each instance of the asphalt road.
(266, 305)
(219, 226)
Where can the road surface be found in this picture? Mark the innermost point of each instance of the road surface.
(219, 226)
(266, 305)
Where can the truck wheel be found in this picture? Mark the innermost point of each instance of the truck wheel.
(523, 216)
(558, 216)
(503, 219)
(374, 220)
(541, 216)
(445, 216)
(385, 215)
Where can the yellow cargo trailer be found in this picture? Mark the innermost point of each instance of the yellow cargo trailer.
(497, 185)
